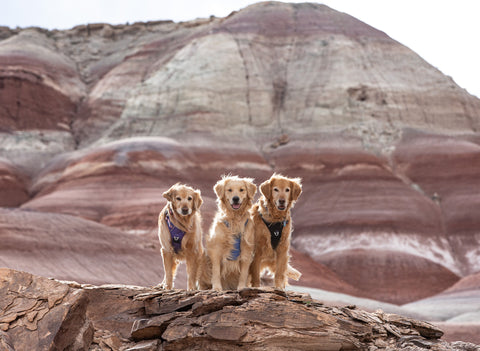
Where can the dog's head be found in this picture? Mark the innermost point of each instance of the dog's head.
(281, 191)
(184, 199)
(235, 192)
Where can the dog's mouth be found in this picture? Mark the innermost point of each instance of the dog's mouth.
(281, 207)
(236, 205)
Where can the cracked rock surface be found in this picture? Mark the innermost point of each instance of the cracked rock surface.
(37, 313)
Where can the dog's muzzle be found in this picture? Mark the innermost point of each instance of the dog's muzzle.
(236, 203)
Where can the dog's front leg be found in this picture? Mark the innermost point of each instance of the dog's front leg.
(169, 268)
(244, 266)
(255, 271)
(245, 261)
(280, 271)
(216, 272)
(192, 269)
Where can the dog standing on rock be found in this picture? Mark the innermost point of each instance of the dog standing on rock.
(229, 247)
(180, 233)
(273, 227)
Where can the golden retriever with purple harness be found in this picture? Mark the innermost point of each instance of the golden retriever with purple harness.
(180, 233)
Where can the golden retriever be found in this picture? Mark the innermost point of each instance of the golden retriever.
(180, 233)
(273, 227)
(229, 247)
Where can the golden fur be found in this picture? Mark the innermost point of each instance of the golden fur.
(279, 195)
(218, 271)
(183, 204)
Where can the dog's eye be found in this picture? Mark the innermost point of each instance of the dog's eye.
(275, 189)
(229, 190)
(241, 190)
(189, 198)
(179, 198)
(287, 190)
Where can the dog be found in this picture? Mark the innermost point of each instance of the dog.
(273, 227)
(229, 247)
(180, 233)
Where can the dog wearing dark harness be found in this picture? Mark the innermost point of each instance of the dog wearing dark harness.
(180, 234)
(273, 227)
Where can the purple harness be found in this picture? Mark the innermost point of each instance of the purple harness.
(176, 234)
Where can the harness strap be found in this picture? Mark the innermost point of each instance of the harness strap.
(176, 234)
(276, 229)
(235, 252)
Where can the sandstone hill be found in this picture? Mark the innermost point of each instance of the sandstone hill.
(97, 121)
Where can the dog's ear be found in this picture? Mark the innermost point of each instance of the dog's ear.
(296, 186)
(251, 188)
(219, 188)
(197, 199)
(170, 193)
(265, 188)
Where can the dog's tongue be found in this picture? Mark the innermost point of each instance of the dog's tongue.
(236, 206)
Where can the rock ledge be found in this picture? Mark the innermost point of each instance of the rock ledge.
(44, 314)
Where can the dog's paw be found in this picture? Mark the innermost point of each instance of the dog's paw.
(217, 287)
(163, 286)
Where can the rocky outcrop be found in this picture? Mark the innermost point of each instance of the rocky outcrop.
(42, 314)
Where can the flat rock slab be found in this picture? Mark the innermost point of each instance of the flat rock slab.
(37, 313)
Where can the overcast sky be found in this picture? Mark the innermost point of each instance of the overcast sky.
(444, 32)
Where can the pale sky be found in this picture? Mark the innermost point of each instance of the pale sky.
(444, 32)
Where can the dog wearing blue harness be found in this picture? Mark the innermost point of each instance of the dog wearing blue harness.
(229, 247)
(180, 234)
(273, 227)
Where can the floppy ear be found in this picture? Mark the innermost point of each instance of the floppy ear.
(265, 188)
(197, 199)
(296, 185)
(219, 188)
(170, 193)
(251, 188)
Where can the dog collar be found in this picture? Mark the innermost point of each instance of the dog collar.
(176, 234)
(275, 229)
(235, 252)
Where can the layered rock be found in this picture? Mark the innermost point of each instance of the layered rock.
(13, 185)
(460, 303)
(459, 313)
(121, 184)
(40, 90)
(71, 248)
(445, 170)
(42, 314)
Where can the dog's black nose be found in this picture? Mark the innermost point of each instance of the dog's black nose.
(184, 210)
(281, 201)
(235, 199)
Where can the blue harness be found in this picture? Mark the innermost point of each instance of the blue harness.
(235, 252)
(176, 234)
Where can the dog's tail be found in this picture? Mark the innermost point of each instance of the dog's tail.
(293, 273)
